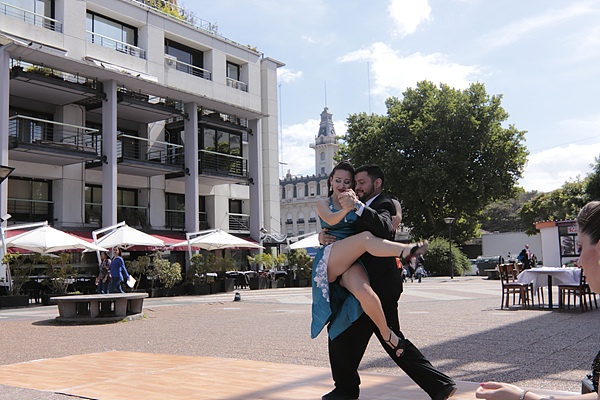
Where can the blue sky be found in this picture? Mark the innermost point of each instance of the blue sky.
(543, 56)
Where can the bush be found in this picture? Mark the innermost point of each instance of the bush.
(437, 260)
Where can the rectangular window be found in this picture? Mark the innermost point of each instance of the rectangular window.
(30, 200)
(111, 28)
(233, 71)
(184, 54)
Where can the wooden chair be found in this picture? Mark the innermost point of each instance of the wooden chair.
(511, 286)
(566, 292)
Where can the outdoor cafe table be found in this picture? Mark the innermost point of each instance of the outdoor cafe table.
(546, 275)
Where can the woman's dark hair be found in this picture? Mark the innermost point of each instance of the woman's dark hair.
(343, 166)
(116, 251)
(588, 221)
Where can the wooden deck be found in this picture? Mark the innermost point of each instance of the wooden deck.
(128, 376)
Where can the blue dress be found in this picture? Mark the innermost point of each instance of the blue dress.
(331, 302)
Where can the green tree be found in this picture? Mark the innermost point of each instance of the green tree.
(503, 215)
(445, 153)
(559, 204)
(592, 184)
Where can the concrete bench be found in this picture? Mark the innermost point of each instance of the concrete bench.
(99, 307)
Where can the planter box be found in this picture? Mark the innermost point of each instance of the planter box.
(200, 289)
(215, 287)
(14, 301)
(228, 284)
(278, 283)
(258, 283)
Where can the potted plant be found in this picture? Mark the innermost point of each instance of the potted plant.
(222, 265)
(58, 275)
(162, 270)
(19, 273)
(301, 263)
(260, 260)
(138, 268)
(196, 275)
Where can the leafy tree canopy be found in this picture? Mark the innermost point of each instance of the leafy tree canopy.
(503, 215)
(445, 152)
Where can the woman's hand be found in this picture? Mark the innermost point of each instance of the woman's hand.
(498, 391)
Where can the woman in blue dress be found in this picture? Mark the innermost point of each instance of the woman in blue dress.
(337, 271)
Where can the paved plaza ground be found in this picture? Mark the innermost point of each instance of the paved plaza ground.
(457, 324)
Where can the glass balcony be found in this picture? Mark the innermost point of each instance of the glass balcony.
(214, 163)
(27, 210)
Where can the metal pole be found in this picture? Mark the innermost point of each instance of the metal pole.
(451, 258)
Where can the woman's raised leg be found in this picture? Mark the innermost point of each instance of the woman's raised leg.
(346, 251)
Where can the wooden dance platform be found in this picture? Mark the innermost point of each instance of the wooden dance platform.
(119, 375)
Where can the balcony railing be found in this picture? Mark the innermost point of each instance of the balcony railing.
(117, 45)
(23, 129)
(188, 68)
(223, 164)
(132, 215)
(175, 220)
(237, 84)
(239, 222)
(30, 17)
(27, 210)
(137, 148)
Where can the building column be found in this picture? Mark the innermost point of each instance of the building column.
(109, 154)
(4, 126)
(255, 172)
(190, 139)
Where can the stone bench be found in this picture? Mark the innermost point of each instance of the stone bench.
(99, 307)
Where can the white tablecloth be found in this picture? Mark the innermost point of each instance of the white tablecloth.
(560, 276)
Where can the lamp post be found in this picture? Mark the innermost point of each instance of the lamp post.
(449, 221)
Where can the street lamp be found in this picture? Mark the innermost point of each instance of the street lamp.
(449, 221)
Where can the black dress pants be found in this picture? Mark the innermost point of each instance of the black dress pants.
(347, 350)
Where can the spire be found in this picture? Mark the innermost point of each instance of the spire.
(326, 126)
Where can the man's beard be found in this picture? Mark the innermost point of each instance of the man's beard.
(366, 196)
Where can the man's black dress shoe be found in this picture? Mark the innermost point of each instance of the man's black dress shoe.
(445, 393)
(337, 394)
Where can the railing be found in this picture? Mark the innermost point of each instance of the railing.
(27, 210)
(223, 164)
(175, 220)
(25, 129)
(117, 45)
(29, 68)
(138, 148)
(188, 68)
(289, 222)
(237, 84)
(188, 17)
(239, 222)
(233, 119)
(30, 17)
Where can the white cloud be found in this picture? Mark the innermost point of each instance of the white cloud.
(408, 15)
(308, 39)
(285, 75)
(393, 73)
(295, 151)
(550, 169)
(515, 31)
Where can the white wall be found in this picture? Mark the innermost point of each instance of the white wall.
(500, 244)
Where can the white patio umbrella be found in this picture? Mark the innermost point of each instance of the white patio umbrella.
(47, 239)
(216, 240)
(309, 241)
(126, 237)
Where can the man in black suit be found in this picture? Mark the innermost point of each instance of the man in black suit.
(375, 209)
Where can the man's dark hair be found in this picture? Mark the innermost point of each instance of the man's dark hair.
(374, 172)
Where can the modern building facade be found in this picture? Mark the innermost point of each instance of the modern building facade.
(300, 193)
(134, 110)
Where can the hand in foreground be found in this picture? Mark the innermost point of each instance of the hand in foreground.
(498, 391)
(325, 238)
